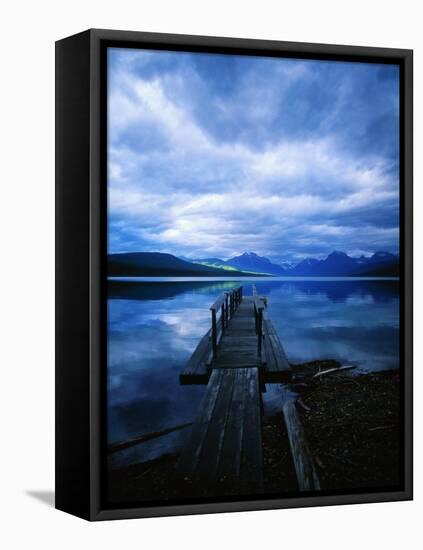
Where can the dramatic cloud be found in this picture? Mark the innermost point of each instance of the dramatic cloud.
(212, 155)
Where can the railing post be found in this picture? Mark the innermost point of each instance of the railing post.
(214, 333)
(222, 316)
(226, 308)
(260, 331)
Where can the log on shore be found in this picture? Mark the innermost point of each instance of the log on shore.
(305, 468)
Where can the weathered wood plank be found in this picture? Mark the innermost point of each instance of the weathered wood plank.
(277, 368)
(197, 370)
(239, 328)
(242, 319)
(228, 364)
(233, 342)
(225, 443)
(280, 357)
(189, 456)
(251, 456)
(237, 351)
(209, 456)
(230, 455)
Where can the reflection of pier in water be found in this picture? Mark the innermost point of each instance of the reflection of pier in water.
(237, 356)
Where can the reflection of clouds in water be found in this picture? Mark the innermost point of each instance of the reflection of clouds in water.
(151, 340)
(114, 381)
(148, 347)
(334, 290)
(186, 325)
(359, 299)
(137, 348)
(352, 321)
(193, 314)
(335, 323)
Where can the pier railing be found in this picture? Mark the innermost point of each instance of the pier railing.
(259, 316)
(222, 311)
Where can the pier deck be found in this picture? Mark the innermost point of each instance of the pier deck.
(225, 445)
(243, 337)
(238, 346)
(239, 353)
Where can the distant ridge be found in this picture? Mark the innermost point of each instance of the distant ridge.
(159, 264)
(248, 261)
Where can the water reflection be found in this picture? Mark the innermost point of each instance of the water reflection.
(155, 326)
(335, 289)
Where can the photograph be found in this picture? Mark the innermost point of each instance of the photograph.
(253, 277)
(211, 236)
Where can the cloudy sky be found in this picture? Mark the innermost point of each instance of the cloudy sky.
(214, 155)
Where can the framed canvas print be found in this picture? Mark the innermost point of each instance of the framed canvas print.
(234, 274)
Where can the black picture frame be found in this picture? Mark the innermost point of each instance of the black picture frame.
(81, 252)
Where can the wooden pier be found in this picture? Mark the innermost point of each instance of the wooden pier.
(241, 336)
(238, 355)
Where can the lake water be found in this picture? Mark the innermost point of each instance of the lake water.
(155, 324)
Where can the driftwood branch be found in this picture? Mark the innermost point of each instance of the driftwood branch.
(115, 447)
(336, 369)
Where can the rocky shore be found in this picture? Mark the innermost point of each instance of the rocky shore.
(352, 425)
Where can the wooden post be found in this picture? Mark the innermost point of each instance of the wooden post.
(226, 308)
(259, 331)
(222, 316)
(214, 333)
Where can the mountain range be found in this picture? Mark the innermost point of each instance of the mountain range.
(335, 264)
(339, 263)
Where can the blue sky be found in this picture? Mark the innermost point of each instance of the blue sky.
(214, 155)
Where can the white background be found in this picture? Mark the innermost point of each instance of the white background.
(28, 32)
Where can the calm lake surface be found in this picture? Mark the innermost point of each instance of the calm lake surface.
(156, 323)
